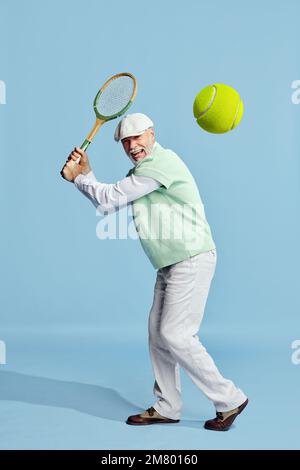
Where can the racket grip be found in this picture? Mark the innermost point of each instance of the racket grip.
(84, 146)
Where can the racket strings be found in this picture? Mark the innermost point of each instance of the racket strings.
(115, 96)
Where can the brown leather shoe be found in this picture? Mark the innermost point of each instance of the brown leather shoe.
(224, 419)
(150, 416)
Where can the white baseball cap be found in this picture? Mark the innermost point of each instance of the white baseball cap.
(132, 124)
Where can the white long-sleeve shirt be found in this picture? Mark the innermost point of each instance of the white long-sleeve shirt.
(108, 197)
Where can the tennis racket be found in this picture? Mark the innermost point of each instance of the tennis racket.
(112, 100)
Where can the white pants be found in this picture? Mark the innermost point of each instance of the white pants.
(180, 296)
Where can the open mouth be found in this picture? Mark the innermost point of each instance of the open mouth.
(138, 155)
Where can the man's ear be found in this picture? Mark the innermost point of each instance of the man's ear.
(152, 133)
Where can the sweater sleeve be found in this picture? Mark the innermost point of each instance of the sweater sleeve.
(108, 197)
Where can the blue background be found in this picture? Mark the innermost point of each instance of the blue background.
(74, 309)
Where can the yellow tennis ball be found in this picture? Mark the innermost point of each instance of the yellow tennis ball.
(218, 108)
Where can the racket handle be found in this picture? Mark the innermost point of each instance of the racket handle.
(85, 145)
(91, 135)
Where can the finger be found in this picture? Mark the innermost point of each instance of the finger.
(70, 156)
(74, 152)
(70, 164)
(79, 150)
(75, 156)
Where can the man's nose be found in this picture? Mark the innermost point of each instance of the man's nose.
(133, 144)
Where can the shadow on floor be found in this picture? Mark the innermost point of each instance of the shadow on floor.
(93, 400)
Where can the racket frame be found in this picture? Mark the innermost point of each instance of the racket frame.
(100, 119)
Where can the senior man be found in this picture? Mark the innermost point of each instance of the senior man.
(185, 267)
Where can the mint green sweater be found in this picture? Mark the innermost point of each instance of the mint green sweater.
(171, 220)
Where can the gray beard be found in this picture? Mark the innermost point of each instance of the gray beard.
(132, 160)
